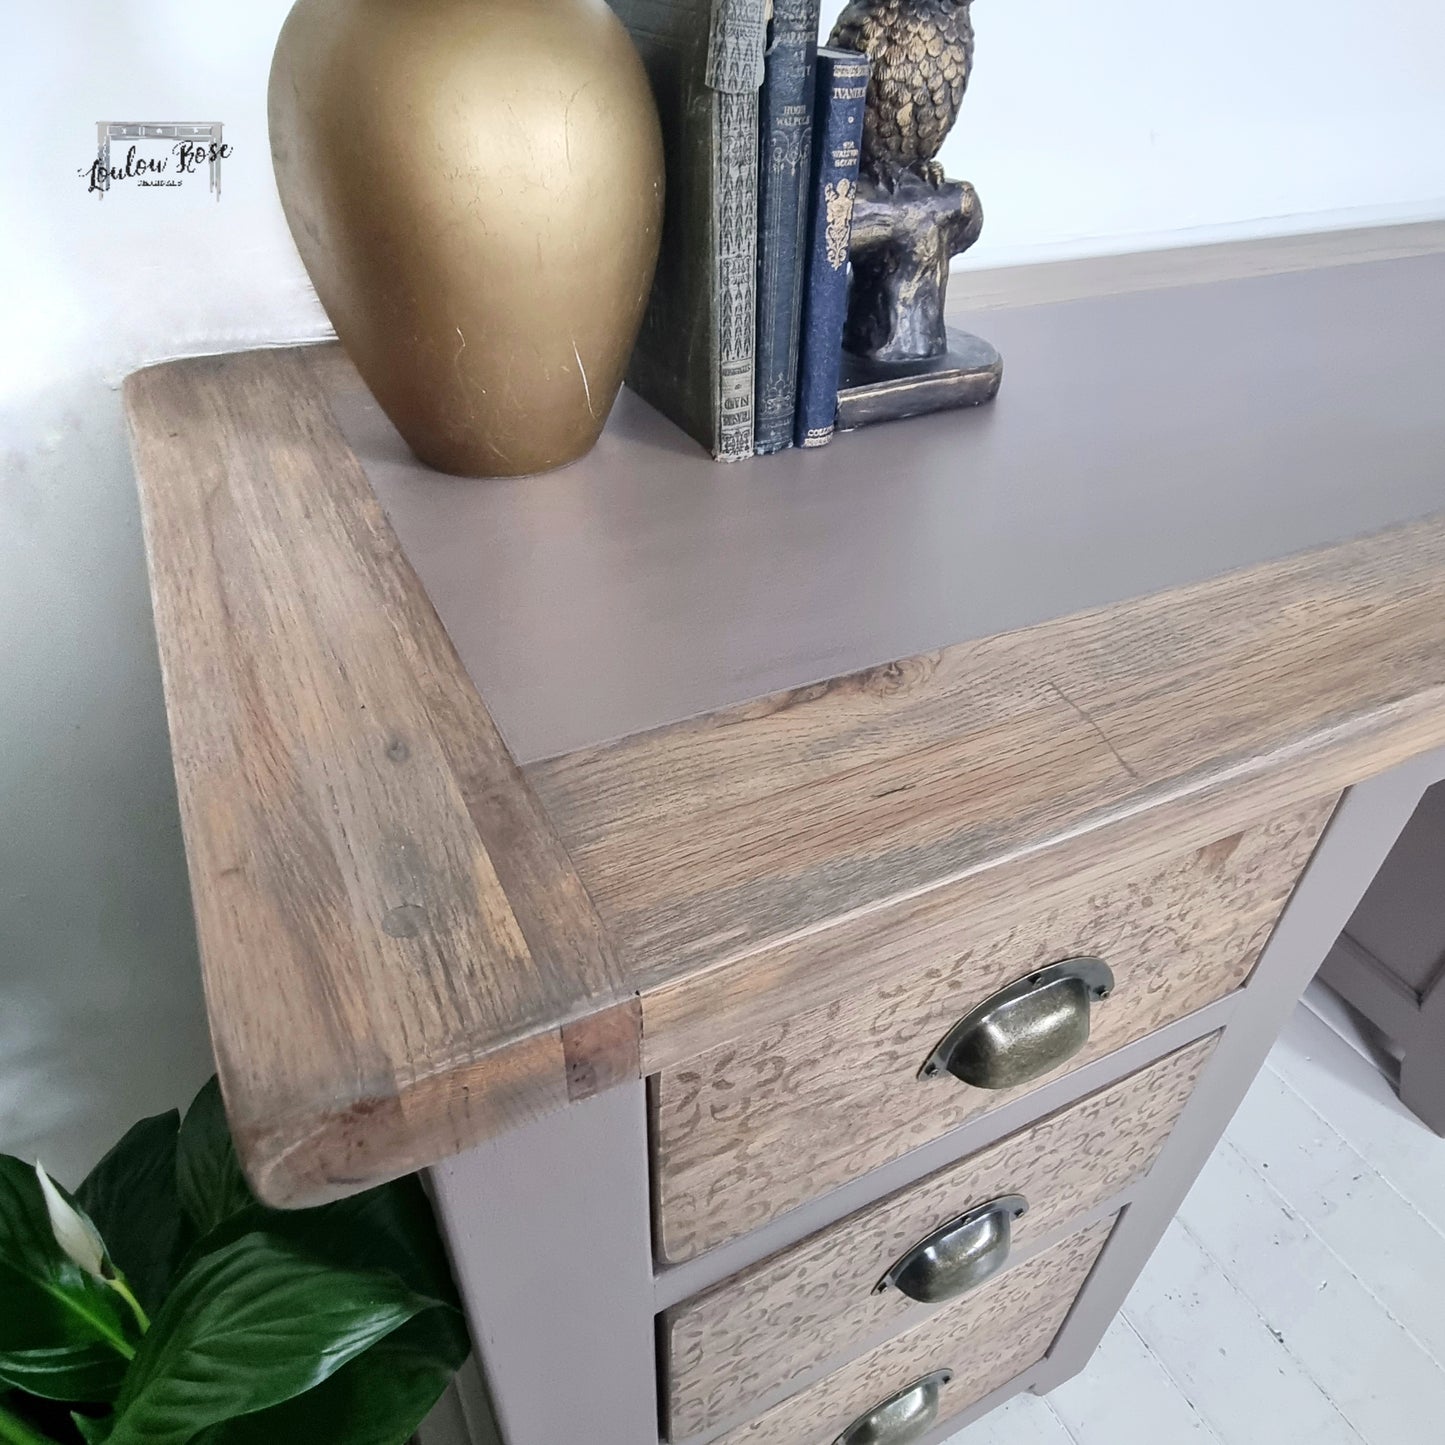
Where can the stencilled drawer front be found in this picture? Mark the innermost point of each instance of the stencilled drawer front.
(758, 1125)
(746, 1338)
(978, 1343)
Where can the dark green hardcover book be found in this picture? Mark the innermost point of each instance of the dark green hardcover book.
(785, 126)
(695, 355)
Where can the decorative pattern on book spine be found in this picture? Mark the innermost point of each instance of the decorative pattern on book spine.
(837, 136)
(737, 259)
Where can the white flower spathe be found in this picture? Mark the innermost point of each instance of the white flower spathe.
(74, 1233)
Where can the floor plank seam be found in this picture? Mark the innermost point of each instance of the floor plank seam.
(1169, 1375)
(1305, 1372)
(1363, 1159)
(1060, 1421)
(1334, 1254)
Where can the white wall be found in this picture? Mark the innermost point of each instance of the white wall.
(1106, 125)
(100, 1005)
(1090, 127)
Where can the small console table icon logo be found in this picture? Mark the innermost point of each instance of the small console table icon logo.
(193, 144)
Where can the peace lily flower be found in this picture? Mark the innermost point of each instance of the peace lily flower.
(80, 1239)
(74, 1233)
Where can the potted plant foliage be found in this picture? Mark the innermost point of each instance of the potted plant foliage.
(163, 1304)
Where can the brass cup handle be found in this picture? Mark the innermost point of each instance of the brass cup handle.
(901, 1417)
(957, 1256)
(1026, 1029)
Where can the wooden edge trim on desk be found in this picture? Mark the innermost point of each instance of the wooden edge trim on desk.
(709, 1006)
(718, 838)
(392, 936)
(603, 1050)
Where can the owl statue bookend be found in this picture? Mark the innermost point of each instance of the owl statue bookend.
(899, 357)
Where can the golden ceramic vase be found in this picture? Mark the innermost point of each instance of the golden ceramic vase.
(475, 187)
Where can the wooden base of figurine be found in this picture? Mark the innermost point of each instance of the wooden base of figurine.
(899, 357)
(871, 389)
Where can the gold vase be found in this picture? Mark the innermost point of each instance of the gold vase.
(475, 187)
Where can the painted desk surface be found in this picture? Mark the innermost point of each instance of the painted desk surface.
(1141, 442)
(435, 897)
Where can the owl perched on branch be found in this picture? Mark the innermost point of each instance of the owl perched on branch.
(922, 53)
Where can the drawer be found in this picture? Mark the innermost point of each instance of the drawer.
(760, 1124)
(744, 1339)
(983, 1341)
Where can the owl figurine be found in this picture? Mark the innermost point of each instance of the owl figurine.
(922, 52)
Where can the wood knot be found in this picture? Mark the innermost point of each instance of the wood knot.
(896, 677)
(405, 921)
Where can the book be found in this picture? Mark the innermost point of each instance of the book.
(785, 134)
(842, 84)
(694, 355)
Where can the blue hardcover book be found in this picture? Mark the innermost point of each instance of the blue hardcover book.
(837, 138)
(785, 136)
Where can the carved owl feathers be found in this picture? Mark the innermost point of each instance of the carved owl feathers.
(922, 53)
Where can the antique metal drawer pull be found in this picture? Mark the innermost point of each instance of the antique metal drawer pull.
(901, 1417)
(1026, 1029)
(958, 1255)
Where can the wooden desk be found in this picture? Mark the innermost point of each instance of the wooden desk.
(621, 844)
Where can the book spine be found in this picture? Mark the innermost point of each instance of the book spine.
(735, 251)
(735, 63)
(785, 126)
(842, 84)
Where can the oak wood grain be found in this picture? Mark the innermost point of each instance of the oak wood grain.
(759, 1124)
(391, 933)
(702, 1009)
(750, 1335)
(603, 1049)
(707, 840)
(985, 1339)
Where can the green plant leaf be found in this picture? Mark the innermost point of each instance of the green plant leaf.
(48, 1418)
(208, 1173)
(48, 1300)
(92, 1431)
(73, 1373)
(246, 1327)
(379, 1398)
(15, 1431)
(388, 1227)
(132, 1197)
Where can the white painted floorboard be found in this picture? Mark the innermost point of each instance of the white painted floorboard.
(1299, 1297)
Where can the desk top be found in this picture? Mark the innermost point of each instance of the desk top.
(1141, 442)
(979, 634)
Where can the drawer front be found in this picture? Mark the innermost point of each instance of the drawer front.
(983, 1341)
(761, 1124)
(743, 1340)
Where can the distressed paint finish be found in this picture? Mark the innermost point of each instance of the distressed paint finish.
(760, 1124)
(985, 1339)
(750, 1335)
